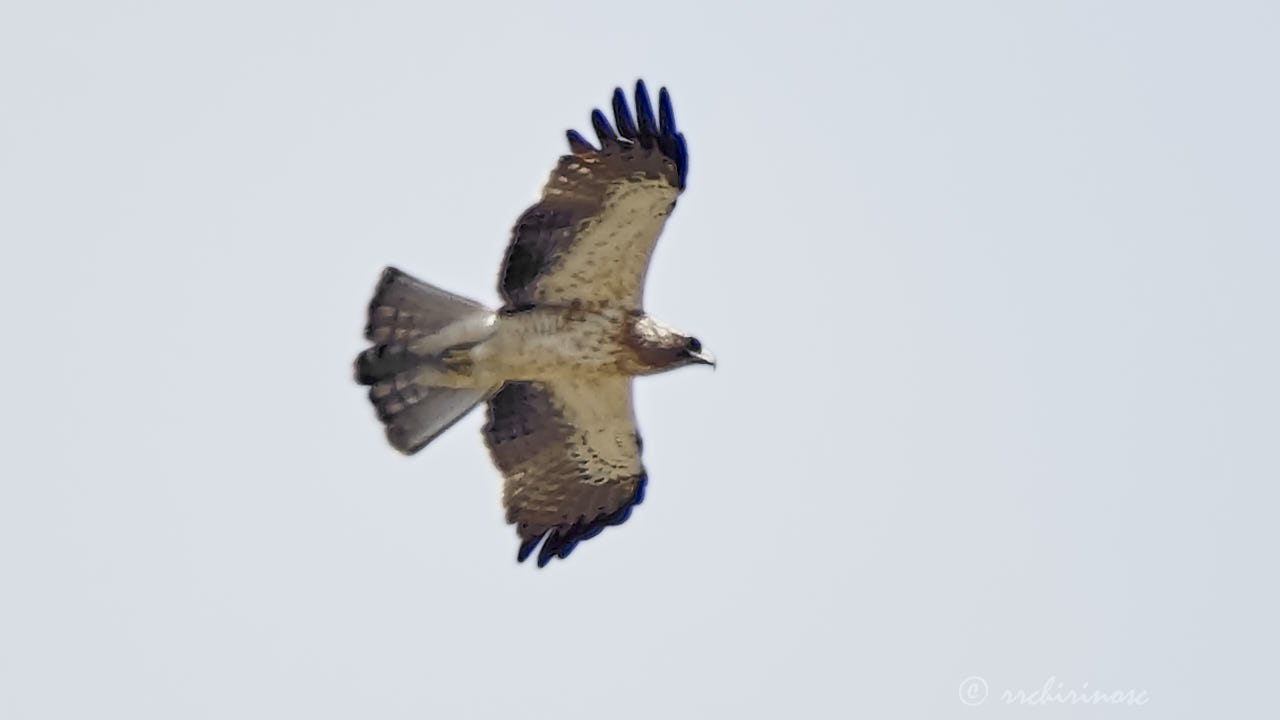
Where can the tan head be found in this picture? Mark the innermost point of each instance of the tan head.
(659, 348)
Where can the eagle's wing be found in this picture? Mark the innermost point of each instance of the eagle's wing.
(589, 238)
(571, 456)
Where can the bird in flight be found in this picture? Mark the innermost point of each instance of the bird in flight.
(554, 364)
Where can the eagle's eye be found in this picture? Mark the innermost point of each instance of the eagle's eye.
(692, 345)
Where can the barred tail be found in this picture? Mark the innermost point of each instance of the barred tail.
(410, 324)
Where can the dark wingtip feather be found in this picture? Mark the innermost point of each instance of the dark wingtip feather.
(644, 114)
(622, 115)
(527, 547)
(546, 553)
(578, 145)
(666, 116)
(603, 129)
(682, 159)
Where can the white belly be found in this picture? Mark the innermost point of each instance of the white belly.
(550, 344)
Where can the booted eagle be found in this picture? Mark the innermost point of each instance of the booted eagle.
(555, 362)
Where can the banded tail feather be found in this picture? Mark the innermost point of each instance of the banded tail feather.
(411, 323)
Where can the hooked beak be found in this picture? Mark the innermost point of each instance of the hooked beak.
(704, 357)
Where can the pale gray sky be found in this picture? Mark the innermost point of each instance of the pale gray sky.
(993, 288)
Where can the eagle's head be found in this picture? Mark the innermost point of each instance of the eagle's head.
(659, 348)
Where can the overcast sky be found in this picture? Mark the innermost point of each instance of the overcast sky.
(993, 287)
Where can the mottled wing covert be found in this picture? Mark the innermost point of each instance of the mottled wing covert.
(588, 240)
(571, 456)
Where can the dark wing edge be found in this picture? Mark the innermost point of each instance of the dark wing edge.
(559, 542)
(651, 132)
(548, 227)
(552, 494)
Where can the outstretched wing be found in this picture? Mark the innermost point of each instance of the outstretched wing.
(589, 239)
(571, 457)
